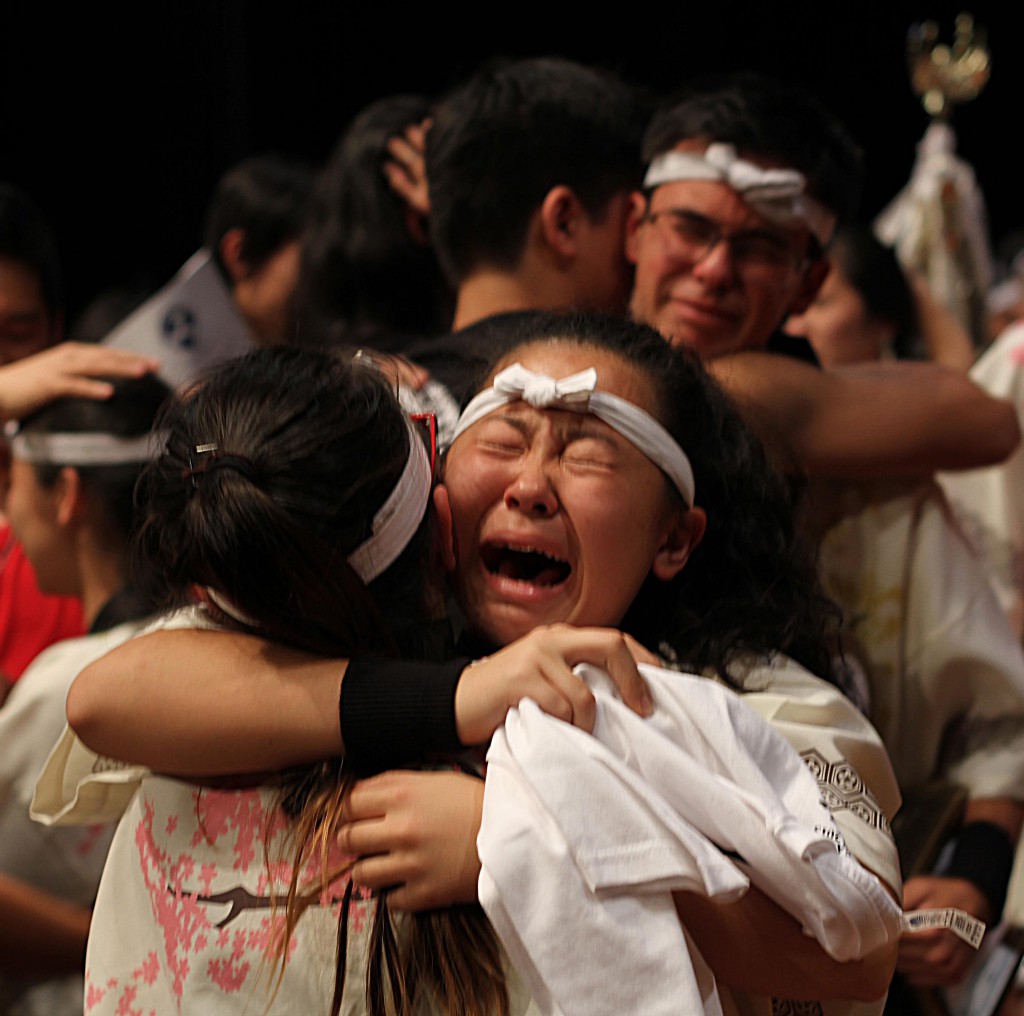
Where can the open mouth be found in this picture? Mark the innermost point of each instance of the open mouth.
(523, 564)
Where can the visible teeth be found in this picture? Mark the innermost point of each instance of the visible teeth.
(533, 550)
(526, 564)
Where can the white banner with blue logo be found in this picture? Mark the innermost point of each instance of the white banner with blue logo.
(191, 324)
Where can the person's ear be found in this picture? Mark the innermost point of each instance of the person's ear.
(680, 540)
(812, 280)
(560, 216)
(445, 527)
(69, 496)
(634, 220)
(231, 245)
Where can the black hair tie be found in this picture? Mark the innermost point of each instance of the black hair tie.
(213, 459)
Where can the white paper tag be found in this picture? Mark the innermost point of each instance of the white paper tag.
(968, 928)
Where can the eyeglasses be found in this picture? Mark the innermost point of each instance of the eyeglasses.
(758, 254)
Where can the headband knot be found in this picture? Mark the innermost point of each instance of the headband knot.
(752, 181)
(780, 195)
(541, 391)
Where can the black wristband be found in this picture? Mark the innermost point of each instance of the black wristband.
(395, 712)
(984, 856)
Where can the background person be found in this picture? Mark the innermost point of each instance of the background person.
(746, 182)
(69, 500)
(925, 622)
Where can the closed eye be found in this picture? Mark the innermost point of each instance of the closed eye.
(500, 436)
(589, 452)
(500, 447)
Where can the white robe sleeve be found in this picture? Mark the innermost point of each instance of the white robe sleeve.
(79, 787)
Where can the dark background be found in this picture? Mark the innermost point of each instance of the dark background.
(120, 127)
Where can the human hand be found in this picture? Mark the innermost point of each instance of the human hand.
(415, 834)
(68, 370)
(406, 168)
(937, 957)
(539, 666)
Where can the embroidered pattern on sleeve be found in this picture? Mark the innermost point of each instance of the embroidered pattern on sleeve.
(844, 790)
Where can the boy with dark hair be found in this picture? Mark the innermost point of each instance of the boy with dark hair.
(772, 121)
(530, 164)
(252, 229)
(761, 166)
(745, 185)
(239, 290)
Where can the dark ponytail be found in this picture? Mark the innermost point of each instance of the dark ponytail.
(296, 453)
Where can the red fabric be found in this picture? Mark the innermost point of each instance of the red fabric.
(29, 620)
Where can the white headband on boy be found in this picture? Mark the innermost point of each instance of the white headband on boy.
(578, 392)
(780, 195)
(399, 517)
(82, 449)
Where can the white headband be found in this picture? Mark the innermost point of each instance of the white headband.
(578, 393)
(399, 517)
(777, 194)
(393, 527)
(83, 449)
(227, 606)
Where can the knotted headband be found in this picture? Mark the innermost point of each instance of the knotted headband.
(780, 195)
(579, 393)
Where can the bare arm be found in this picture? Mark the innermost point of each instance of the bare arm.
(208, 703)
(754, 946)
(198, 703)
(947, 340)
(40, 935)
(871, 420)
